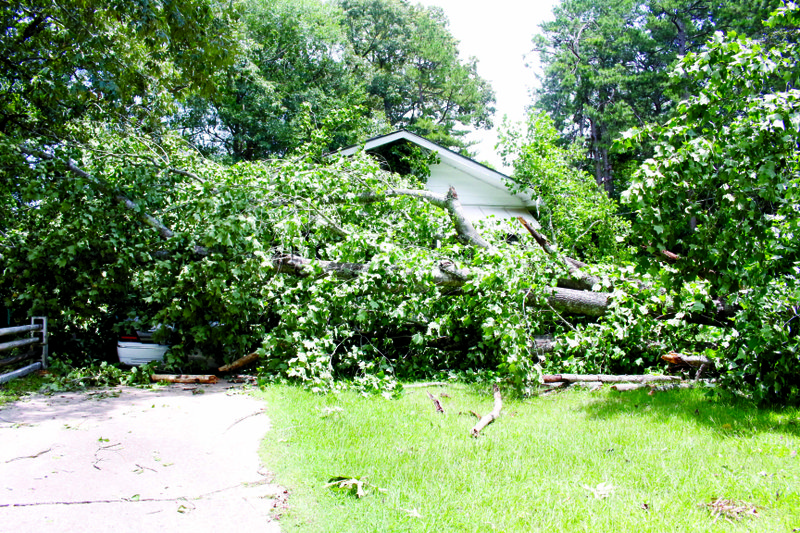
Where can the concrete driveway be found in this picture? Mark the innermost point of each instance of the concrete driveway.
(180, 458)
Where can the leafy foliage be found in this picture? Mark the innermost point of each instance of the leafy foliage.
(292, 79)
(228, 300)
(607, 63)
(64, 61)
(721, 191)
(575, 212)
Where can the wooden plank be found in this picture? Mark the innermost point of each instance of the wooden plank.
(18, 344)
(20, 329)
(24, 371)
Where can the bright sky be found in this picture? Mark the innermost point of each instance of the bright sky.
(498, 33)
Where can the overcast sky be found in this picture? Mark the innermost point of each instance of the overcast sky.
(498, 33)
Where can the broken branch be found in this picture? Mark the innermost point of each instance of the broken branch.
(184, 378)
(436, 403)
(553, 378)
(239, 363)
(491, 417)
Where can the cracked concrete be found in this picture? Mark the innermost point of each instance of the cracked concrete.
(177, 459)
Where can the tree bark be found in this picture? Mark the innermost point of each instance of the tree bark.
(184, 378)
(603, 378)
(579, 279)
(239, 363)
(436, 403)
(449, 202)
(691, 360)
(491, 417)
(621, 387)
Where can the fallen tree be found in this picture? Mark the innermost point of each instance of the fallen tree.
(338, 269)
(305, 207)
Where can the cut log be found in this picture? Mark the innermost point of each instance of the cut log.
(184, 378)
(591, 385)
(491, 417)
(553, 378)
(239, 363)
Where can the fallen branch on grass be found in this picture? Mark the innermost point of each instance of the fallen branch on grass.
(488, 419)
(184, 378)
(436, 403)
(421, 385)
(554, 378)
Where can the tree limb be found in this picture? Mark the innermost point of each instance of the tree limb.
(579, 279)
(491, 417)
(449, 202)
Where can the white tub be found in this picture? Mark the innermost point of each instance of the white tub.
(136, 353)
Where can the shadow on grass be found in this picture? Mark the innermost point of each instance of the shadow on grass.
(730, 416)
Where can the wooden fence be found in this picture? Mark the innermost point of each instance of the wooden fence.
(38, 338)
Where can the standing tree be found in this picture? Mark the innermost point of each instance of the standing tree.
(722, 193)
(411, 64)
(293, 77)
(606, 67)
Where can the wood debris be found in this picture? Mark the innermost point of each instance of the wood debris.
(491, 417)
(239, 363)
(731, 510)
(646, 378)
(437, 404)
(184, 378)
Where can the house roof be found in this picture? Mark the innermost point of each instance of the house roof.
(447, 157)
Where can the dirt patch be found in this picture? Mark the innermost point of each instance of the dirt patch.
(123, 459)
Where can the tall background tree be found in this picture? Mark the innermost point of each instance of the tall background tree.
(294, 73)
(354, 69)
(411, 65)
(606, 66)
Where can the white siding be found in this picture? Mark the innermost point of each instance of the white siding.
(479, 199)
(470, 190)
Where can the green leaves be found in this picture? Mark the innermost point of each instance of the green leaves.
(719, 193)
(354, 486)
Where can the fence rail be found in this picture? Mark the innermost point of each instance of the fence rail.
(38, 331)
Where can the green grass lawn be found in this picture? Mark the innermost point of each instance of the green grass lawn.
(661, 458)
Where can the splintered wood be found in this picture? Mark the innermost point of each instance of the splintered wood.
(488, 419)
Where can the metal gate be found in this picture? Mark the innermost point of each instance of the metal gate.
(38, 337)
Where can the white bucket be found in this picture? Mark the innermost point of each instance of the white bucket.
(136, 353)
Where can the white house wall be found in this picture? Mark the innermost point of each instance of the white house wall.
(479, 199)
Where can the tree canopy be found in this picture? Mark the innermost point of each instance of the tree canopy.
(412, 65)
(607, 63)
(353, 69)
